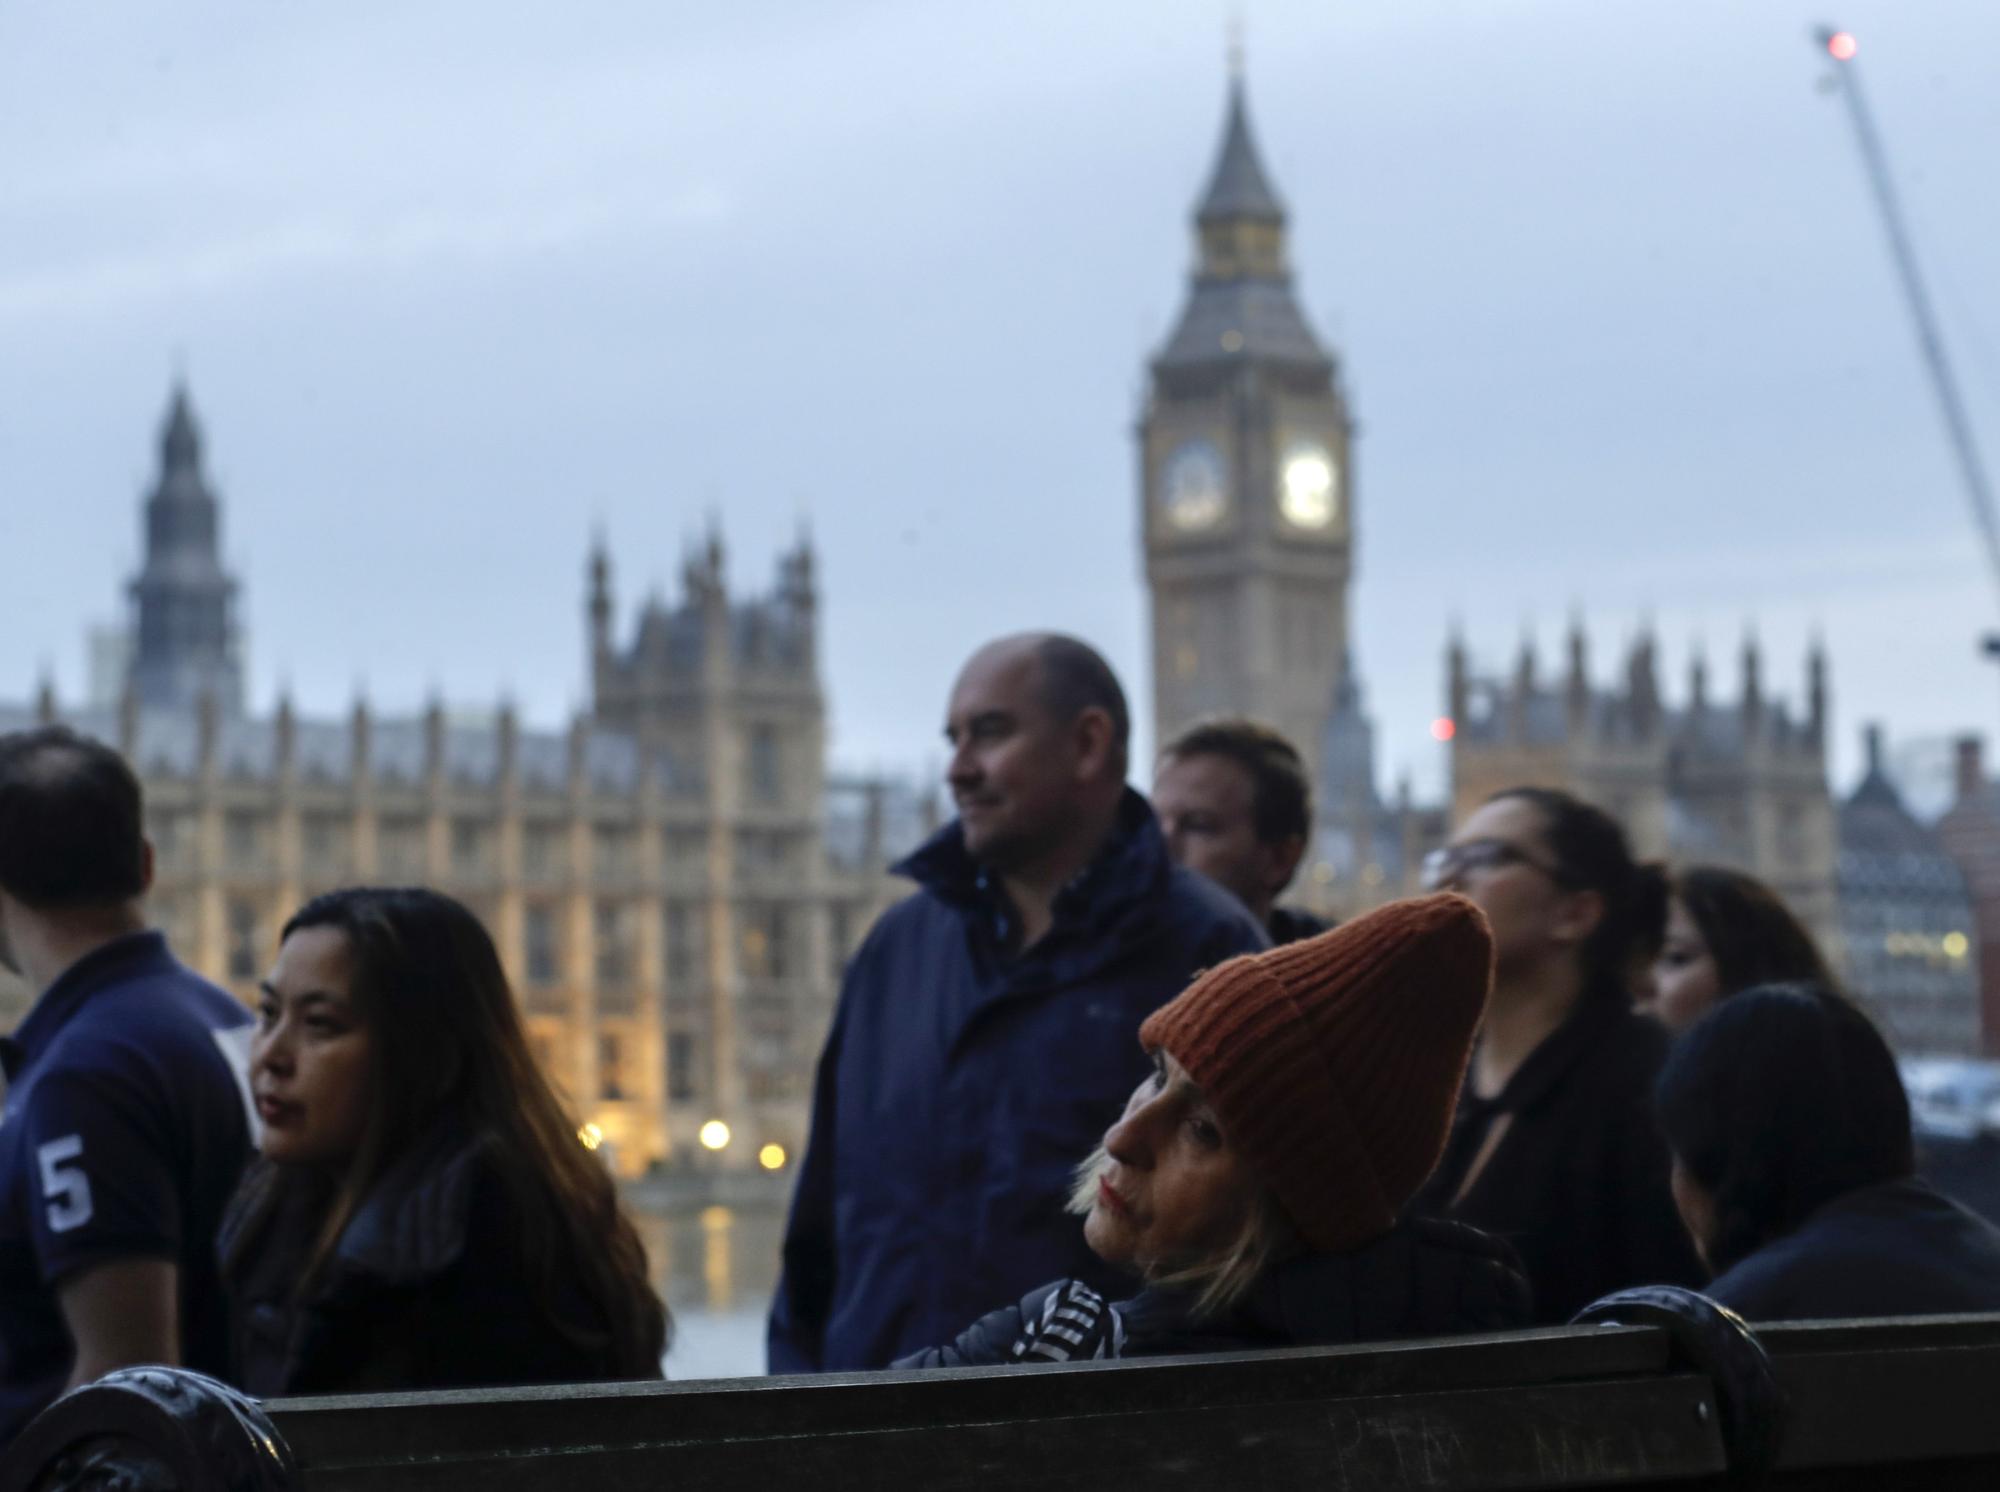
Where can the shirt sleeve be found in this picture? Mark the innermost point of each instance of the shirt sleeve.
(102, 1176)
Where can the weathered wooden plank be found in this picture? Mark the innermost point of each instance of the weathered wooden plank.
(378, 1430)
(1862, 1408)
(1781, 1338)
(1619, 1432)
(1897, 1404)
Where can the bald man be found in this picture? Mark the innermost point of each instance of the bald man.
(987, 1031)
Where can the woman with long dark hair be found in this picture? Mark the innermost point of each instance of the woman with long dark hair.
(423, 1215)
(1725, 932)
(1555, 1147)
(1793, 1167)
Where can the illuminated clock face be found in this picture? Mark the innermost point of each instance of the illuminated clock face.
(1308, 485)
(1194, 488)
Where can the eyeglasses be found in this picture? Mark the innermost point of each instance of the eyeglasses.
(1454, 862)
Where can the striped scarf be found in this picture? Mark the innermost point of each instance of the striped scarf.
(1076, 1325)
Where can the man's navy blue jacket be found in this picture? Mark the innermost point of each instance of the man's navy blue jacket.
(961, 1085)
(1897, 1248)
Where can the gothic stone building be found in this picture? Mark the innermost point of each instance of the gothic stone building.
(1907, 921)
(1245, 486)
(1246, 515)
(673, 882)
(1969, 830)
(1740, 782)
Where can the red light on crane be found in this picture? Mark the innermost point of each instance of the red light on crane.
(1443, 728)
(1841, 46)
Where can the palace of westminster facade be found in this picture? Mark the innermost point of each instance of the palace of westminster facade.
(675, 882)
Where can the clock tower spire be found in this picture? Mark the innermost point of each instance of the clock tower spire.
(1246, 491)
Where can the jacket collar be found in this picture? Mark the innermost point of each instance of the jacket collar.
(1598, 1011)
(1128, 870)
(121, 958)
(412, 1225)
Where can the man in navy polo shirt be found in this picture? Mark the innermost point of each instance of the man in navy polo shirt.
(126, 1123)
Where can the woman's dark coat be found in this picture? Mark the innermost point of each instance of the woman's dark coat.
(427, 1288)
(1895, 1249)
(1423, 1278)
(1577, 1182)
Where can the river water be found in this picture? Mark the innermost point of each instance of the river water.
(714, 1266)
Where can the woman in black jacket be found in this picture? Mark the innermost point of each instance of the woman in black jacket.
(424, 1214)
(1556, 1148)
(1793, 1166)
(1255, 1182)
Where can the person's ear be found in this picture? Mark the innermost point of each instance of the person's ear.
(1696, 1206)
(1577, 915)
(145, 866)
(1280, 861)
(1092, 733)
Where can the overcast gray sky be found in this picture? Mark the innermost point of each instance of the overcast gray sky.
(455, 282)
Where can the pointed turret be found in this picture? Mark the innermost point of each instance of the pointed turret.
(1347, 749)
(1643, 684)
(1241, 307)
(1816, 692)
(1875, 788)
(434, 737)
(702, 566)
(185, 636)
(1458, 689)
(361, 739)
(508, 734)
(1526, 681)
(128, 722)
(1753, 684)
(180, 440)
(1577, 690)
(599, 604)
(285, 733)
(1246, 474)
(796, 583)
(1239, 189)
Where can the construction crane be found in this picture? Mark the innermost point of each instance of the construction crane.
(1843, 49)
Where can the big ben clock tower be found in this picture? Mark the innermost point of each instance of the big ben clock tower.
(1246, 493)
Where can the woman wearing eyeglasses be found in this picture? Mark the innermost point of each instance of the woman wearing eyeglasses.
(1555, 1146)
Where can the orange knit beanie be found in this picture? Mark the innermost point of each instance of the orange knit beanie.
(1334, 1064)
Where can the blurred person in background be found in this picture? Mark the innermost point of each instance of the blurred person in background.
(1556, 1148)
(1793, 1168)
(424, 1215)
(1256, 1183)
(984, 1034)
(1725, 932)
(126, 1125)
(1235, 806)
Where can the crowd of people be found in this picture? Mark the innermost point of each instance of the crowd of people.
(1089, 1091)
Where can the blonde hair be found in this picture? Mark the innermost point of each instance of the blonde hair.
(1226, 1275)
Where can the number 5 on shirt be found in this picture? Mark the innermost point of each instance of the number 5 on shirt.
(66, 1189)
